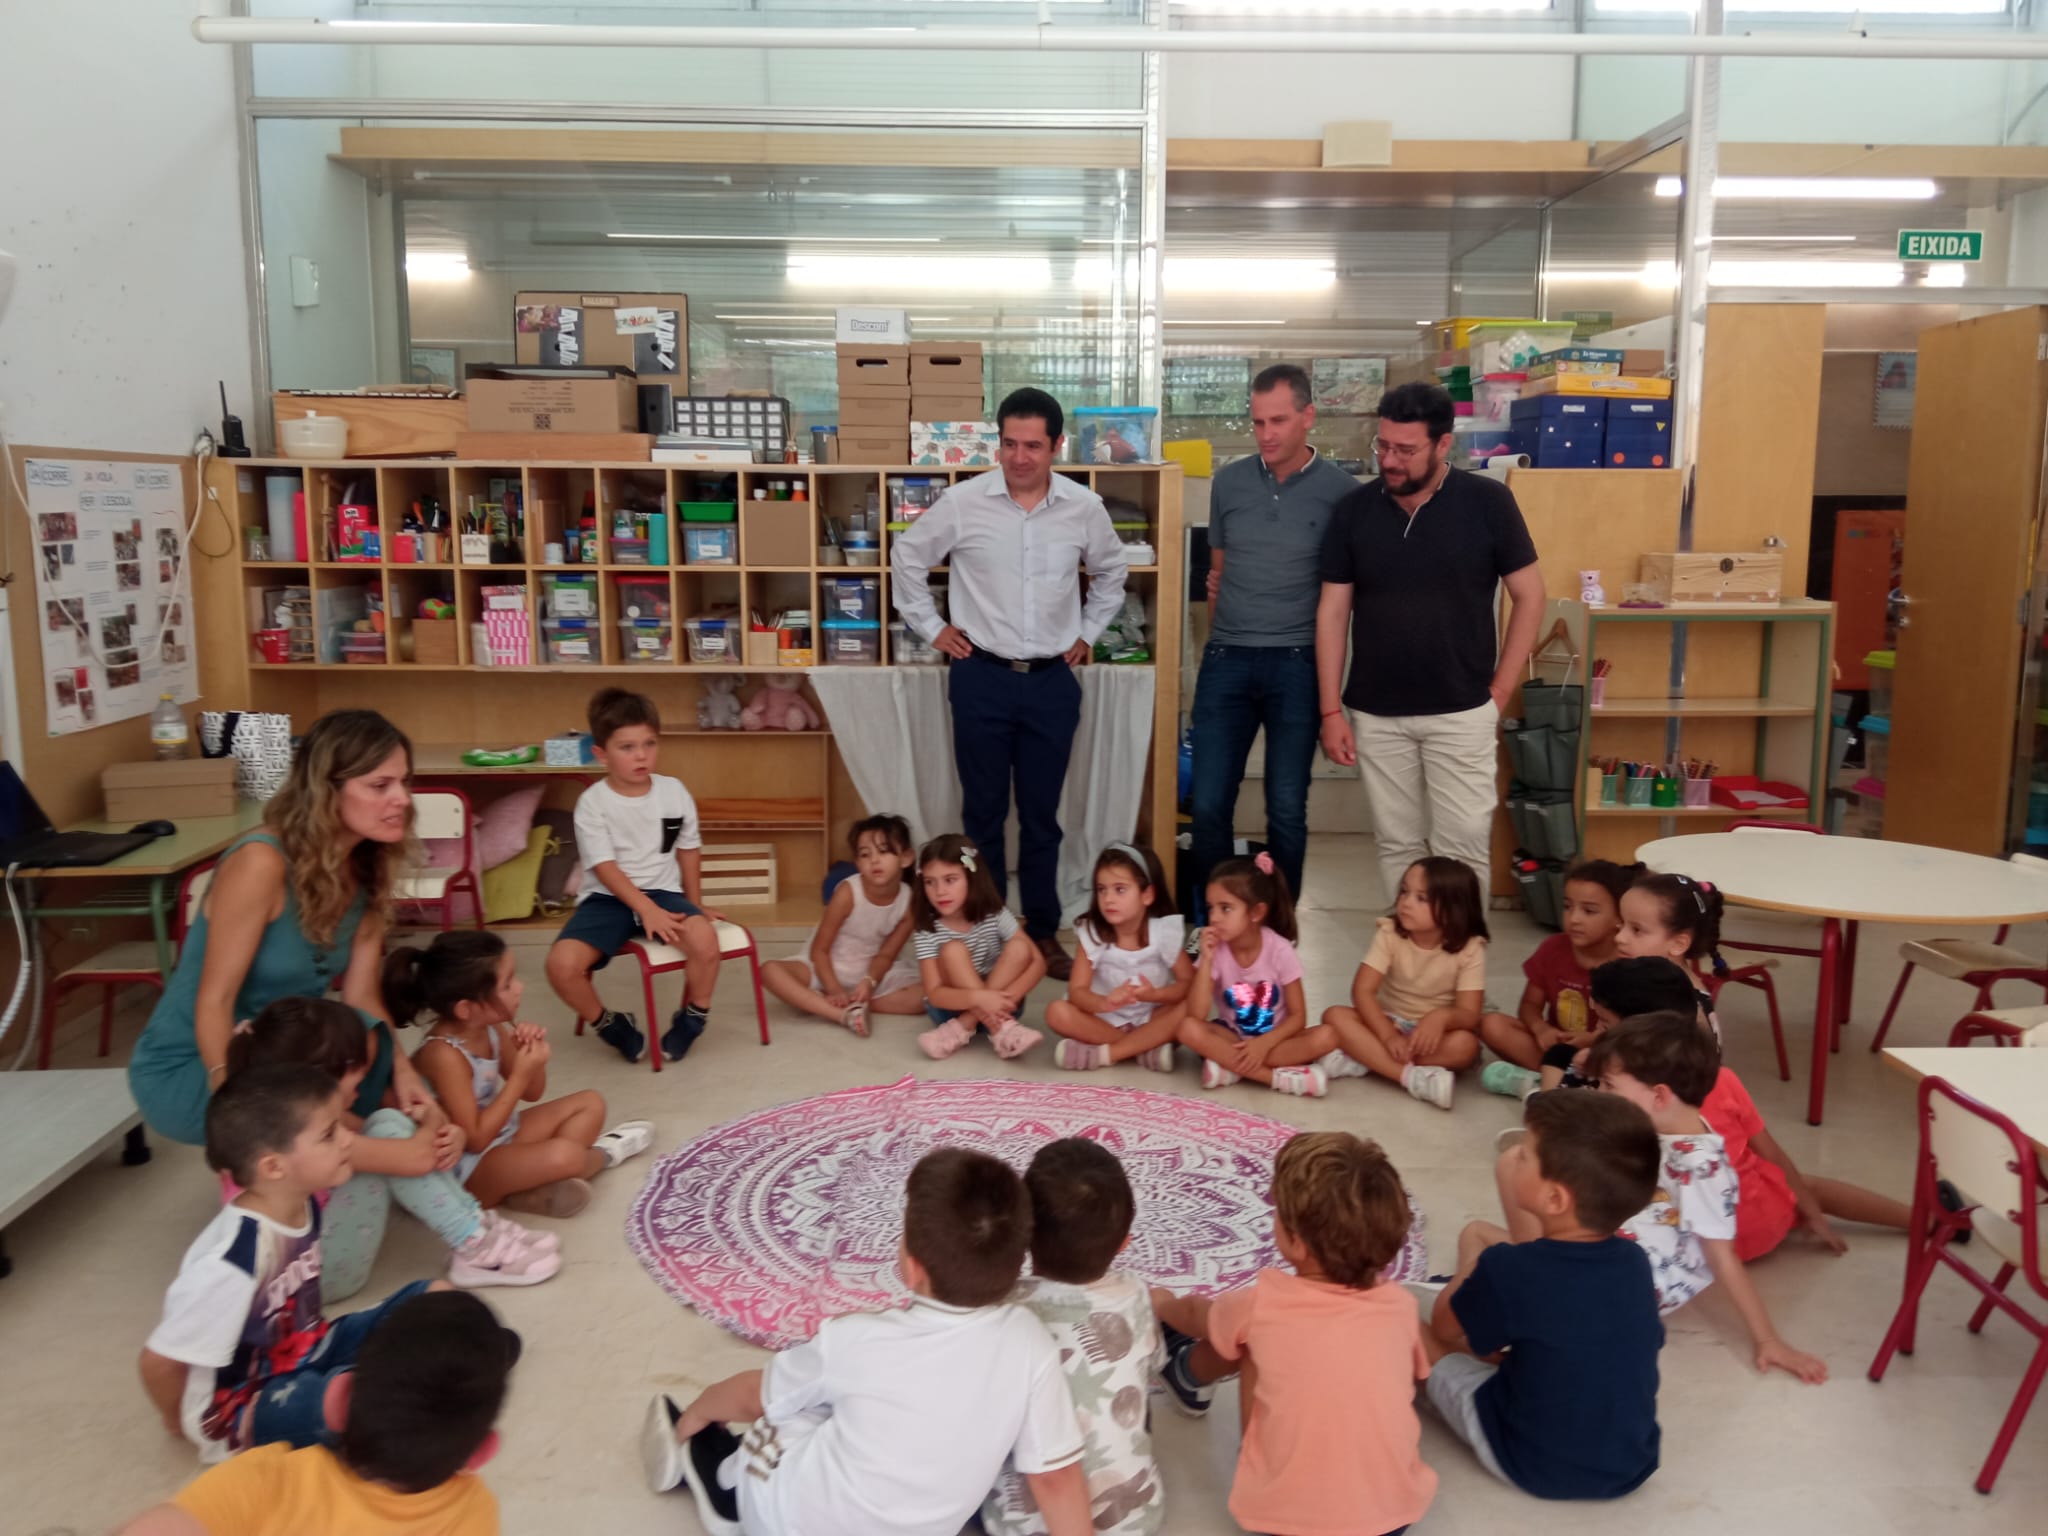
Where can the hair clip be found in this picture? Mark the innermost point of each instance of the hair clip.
(1696, 887)
(1264, 861)
(244, 1027)
(967, 858)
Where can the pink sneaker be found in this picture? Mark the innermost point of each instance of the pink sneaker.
(1302, 1082)
(1013, 1040)
(543, 1242)
(1158, 1059)
(945, 1040)
(1078, 1056)
(1214, 1076)
(495, 1257)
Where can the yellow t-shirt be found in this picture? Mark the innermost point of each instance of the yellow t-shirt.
(1419, 980)
(274, 1490)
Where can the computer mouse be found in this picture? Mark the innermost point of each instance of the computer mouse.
(154, 828)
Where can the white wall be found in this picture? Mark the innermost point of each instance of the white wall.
(119, 197)
(316, 209)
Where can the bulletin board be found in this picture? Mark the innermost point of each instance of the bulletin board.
(106, 537)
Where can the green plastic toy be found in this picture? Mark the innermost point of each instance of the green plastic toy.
(504, 757)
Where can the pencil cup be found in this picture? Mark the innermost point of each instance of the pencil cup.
(1598, 691)
(1699, 792)
(1636, 791)
(1664, 792)
(1610, 789)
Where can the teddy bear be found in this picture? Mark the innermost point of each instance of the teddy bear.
(780, 707)
(719, 709)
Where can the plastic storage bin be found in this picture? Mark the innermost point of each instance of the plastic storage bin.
(1116, 434)
(907, 648)
(357, 646)
(629, 552)
(1882, 665)
(646, 641)
(569, 597)
(1877, 746)
(852, 642)
(851, 597)
(713, 638)
(644, 597)
(1560, 431)
(711, 543)
(571, 642)
(1638, 434)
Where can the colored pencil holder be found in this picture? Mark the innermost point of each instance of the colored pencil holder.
(1699, 792)
(1636, 791)
(1664, 792)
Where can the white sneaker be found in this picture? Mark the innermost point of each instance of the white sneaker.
(1337, 1064)
(1432, 1085)
(1214, 1076)
(1158, 1059)
(1079, 1056)
(629, 1138)
(495, 1257)
(1302, 1082)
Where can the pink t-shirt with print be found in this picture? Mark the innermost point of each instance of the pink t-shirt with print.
(1276, 962)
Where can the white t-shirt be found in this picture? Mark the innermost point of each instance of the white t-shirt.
(639, 833)
(897, 1423)
(1697, 1193)
(247, 1296)
(1152, 963)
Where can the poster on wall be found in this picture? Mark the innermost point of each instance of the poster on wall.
(1897, 374)
(1349, 386)
(1208, 386)
(108, 579)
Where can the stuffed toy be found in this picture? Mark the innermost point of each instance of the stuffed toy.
(719, 709)
(780, 707)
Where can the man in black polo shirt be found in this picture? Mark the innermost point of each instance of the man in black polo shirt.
(1412, 560)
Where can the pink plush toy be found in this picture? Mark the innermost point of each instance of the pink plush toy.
(779, 706)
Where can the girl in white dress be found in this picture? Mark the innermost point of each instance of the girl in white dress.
(1130, 983)
(854, 961)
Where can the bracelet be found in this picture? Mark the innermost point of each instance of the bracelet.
(211, 1070)
(1329, 712)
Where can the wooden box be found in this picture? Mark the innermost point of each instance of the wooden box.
(393, 423)
(175, 790)
(581, 447)
(1695, 577)
(739, 874)
(433, 642)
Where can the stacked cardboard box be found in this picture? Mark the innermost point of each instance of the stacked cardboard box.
(874, 403)
(948, 414)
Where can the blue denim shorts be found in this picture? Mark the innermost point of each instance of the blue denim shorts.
(291, 1406)
(605, 923)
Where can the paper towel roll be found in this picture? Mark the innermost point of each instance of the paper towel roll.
(1498, 466)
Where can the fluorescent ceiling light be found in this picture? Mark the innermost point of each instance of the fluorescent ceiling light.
(1784, 239)
(816, 319)
(1366, 7)
(1806, 274)
(1808, 7)
(1205, 324)
(1947, 275)
(1834, 189)
(783, 239)
(940, 273)
(437, 266)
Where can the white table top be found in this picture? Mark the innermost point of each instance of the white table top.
(2011, 1081)
(1854, 877)
(54, 1123)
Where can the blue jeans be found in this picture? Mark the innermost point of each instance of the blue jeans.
(1240, 689)
(1016, 726)
(289, 1406)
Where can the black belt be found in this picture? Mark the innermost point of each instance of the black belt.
(1035, 664)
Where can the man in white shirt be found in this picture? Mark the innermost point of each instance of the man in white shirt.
(1016, 541)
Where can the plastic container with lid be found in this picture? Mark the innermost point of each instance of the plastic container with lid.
(1117, 434)
(1882, 665)
(1877, 745)
(713, 638)
(313, 436)
(644, 597)
(571, 642)
(711, 544)
(629, 551)
(907, 648)
(852, 597)
(358, 646)
(646, 641)
(571, 596)
(852, 642)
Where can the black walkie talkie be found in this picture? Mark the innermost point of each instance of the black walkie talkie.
(232, 444)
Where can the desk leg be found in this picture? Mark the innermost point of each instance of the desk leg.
(1846, 983)
(135, 1149)
(160, 926)
(1824, 1017)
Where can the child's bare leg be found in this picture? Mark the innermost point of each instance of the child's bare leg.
(957, 970)
(1311, 1045)
(790, 980)
(1521, 1226)
(1012, 967)
(700, 943)
(1508, 1038)
(1852, 1202)
(1457, 1049)
(553, 1142)
(1161, 1029)
(1079, 1024)
(1213, 1042)
(1190, 1315)
(569, 966)
(1349, 1034)
(903, 1000)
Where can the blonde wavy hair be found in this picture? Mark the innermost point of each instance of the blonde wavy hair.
(326, 871)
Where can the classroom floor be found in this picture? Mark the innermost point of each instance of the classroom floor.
(1740, 1452)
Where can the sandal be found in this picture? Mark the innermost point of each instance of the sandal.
(855, 1017)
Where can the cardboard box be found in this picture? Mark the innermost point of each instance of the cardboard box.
(872, 367)
(1641, 362)
(951, 368)
(1597, 384)
(393, 423)
(646, 332)
(535, 399)
(583, 447)
(935, 407)
(1694, 577)
(775, 533)
(881, 447)
(433, 642)
(954, 444)
(176, 790)
(871, 327)
(874, 411)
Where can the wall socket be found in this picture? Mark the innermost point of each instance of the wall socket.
(305, 282)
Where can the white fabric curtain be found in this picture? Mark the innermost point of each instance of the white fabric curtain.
(895, 732)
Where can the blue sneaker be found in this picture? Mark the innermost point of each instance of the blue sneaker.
(684, 1026)
(618, 1031)
(1192, 1397)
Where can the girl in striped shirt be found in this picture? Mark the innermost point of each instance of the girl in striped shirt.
(976, 961)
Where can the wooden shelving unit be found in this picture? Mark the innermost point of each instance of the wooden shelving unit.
(787, 788)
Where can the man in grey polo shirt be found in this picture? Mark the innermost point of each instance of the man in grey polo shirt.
(1267, 517)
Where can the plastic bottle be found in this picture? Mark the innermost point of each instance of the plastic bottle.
(168, 733)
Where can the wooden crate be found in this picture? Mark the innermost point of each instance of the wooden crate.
(1694, 577)
(391, 425)
(739, 875)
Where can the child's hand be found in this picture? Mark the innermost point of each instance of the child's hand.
(1425, 1038)
(1546, 1037)
(1776, 1353)
(837, 997)
(995, 1005)
(1252, 1054)
(863, 990)
(528, 1034)
(1816, 1221)
(527, 1060)
(448, 1145)
(1122, 996)
(662, 925)
(1399, 1046)
(1209, 942)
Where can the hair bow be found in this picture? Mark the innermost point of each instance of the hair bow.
(967, 857)
(1264, 862)
(244, 1027)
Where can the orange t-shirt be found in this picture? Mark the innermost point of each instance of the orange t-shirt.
(1333, 1447)
(277, 1491)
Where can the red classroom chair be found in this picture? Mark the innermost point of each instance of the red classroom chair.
(734, 943)
(130, 963)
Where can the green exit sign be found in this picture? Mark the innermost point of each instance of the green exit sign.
(1941, 245)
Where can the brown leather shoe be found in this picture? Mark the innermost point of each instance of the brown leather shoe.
(1059, 965)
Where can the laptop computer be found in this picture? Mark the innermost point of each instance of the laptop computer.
(27, 838)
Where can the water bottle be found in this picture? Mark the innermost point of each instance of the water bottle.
(167, 730)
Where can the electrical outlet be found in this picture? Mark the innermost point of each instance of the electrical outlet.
(305, 282)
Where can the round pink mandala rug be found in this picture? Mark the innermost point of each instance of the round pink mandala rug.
(773, 1222)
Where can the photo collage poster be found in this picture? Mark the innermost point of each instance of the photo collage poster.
(108, 577)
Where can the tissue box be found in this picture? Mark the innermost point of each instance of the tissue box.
(571, 750)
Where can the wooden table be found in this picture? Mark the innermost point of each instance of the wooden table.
(158, 864)
(51, 1125)
(2013, 1082)
(1847, 881)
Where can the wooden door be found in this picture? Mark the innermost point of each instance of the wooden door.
(1866, 569)
(1972, 497)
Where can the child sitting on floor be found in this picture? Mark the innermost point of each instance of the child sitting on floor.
(1666, 1065)
(1676, 918)
(1622, 989)
(490, 1072)
(1327, 1356)
(1128, 992)
(411, 1424)
(977, 963)
(1250, 974)
(243, 1355)
(1555, 1020)
(1101, 1323)
(1419, 992)
(896, 1423)
(1570, 1410)
(643, 876)
(860, 938)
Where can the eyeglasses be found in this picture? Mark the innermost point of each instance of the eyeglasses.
(1386, 450)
